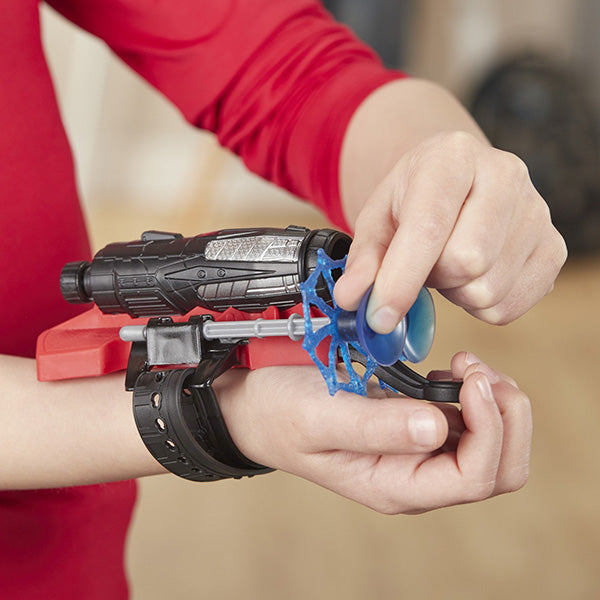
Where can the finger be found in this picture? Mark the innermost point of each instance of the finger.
(384, 426)
(461, 361)
(501, 201)
(469, 473)
(504, 288)
(476, 242)
(479, 450)
(515, 409)
(536, 280)
(374, 229)
(489, 277)
(424, 226)
(417, 483)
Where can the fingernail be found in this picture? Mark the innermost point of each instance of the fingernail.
(471, 359)
(383, 320)
(485, 389)
(423, 428)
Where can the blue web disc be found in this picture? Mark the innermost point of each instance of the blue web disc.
(356, 383)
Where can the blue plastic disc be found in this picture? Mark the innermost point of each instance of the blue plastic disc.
(384, 348)
(420, 328)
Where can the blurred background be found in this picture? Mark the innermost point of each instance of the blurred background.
(530, 72)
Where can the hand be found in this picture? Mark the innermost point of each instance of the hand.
(460, 216)
(392, 454)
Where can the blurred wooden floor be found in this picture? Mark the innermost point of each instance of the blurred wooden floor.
(278, 537)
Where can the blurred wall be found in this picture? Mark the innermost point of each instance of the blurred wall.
(457, 41)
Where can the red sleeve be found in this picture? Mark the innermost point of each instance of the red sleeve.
(276, 80)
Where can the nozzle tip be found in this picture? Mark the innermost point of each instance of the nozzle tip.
(72, 285)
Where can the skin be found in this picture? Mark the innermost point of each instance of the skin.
(67, 433)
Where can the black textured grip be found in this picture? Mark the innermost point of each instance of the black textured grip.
(166, 274)
(179, 431)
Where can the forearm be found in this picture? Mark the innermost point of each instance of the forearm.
(67, 433)
(391, 121)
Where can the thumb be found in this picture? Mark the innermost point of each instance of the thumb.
(397, 425)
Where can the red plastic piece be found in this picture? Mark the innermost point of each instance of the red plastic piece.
(89, 345)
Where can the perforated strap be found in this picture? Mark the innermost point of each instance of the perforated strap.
(183, 428)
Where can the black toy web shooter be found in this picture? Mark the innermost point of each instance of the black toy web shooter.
(249, 297)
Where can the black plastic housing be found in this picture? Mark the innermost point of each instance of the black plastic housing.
(165, 274)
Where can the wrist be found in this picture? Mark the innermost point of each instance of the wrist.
(232, 390)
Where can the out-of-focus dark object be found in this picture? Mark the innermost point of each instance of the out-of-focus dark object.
(541, 112)
(383, 24)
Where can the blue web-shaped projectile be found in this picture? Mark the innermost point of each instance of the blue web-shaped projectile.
(338, 345)
(349, 333)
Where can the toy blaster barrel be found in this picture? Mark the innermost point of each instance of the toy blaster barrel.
(166, 274)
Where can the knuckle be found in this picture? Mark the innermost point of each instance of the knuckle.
(561, 252)
(459, 142)
(553, 254)
(481, 294)
(499, 314)
(496, 316)
(467, 261)
(538, 217)
(480, 490)
(514, 480)
(519, 479)
(388, 505)
(542, 211)
(515, 167)
(451, 153)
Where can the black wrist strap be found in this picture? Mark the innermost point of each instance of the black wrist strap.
(182, 426)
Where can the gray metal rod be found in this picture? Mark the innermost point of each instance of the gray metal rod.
(293, 327)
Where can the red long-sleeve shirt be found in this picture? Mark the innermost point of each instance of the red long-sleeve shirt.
(277, 81)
